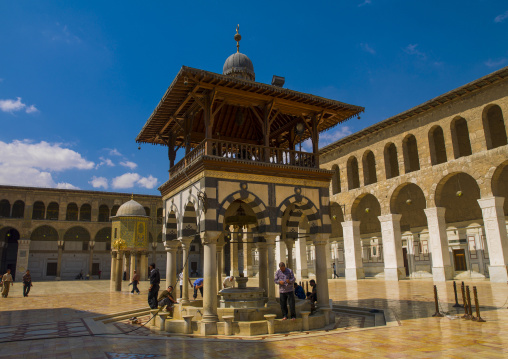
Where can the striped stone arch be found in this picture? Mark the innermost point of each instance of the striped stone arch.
(172, 223)
(254, 202)
(304, 205)
(189, 220)
(293, 222)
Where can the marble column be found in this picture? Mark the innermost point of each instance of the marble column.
(289, 246)
(144, 266)
(22, 258)
(220, 246)
(392, 247)
(301, 256)
(263, 266)
(118, 277)
(127, 265)
(90, 259)
(247, 253)
(59, 260)
(497, 241)
(270, 246)
(353, 250)
(133, 263)
(441, 264)
(186, 241)
(171, 247)
(320, 242)
(113, 271)
(234, 253)
(329, 268)
(210, 318)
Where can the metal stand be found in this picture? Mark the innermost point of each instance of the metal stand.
(456, 305)
(436, 314)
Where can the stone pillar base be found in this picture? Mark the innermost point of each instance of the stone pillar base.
(208, 328)
(395, 274)
(355, 273)
(498, 274)
(441, 274)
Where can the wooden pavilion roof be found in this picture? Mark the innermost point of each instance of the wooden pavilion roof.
(180, 110)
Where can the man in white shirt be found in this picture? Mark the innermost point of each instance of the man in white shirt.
(229, 282)
(180, 278)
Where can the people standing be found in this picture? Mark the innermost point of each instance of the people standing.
(7, 282)
(27, 283)
(198, 284)
(135, 282)
(335, 271)
(99, 273)
(153, 291)
(285, 278)
(180, 278)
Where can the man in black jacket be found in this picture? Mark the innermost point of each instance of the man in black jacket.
(153, 291)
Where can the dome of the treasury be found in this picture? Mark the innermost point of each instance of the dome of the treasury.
(130, 209)
(239, 65)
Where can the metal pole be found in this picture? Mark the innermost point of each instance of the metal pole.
(468, 298)
(477, 305)
(456, 305)
(462, 288)
(436, 314)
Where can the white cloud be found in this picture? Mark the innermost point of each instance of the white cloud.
(366, 2)
(105, 161)
(367, 48)
(98, 182)
(16, 105)
(65, 185)
(411, 49)
(495, 63)
(501, 17)
(327, 137)
(113, 152)
(129, 180)
(148, 182)
(42, 155)
(129, 164)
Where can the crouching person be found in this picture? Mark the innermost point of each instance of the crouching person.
(166, 299)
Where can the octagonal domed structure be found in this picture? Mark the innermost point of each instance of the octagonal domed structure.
(239, 65)
(130, 209)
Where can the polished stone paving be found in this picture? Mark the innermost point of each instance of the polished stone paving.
(51, 323)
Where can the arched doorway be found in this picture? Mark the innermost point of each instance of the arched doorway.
(9, 250)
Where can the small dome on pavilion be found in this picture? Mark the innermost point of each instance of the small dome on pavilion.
(239, 65)
(131, 208)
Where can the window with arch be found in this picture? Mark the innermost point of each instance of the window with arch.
(5, 208)
(369, 168)
(410, 151)
(114, 209)
(72, 212)
(159, 215)
(353, 177)
(391, 161)
(103, 213)
(85, 213)
(335, 179)
(38, 210)
(460, 138)
(18, 209)
(494, 127)
(437, 145)
(52, 212)
(147, 210)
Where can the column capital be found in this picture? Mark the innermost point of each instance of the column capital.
(319, 239)
(270, 237)
(261, 245)
(391, 217)
(351, 224)
(437, 211)
(23, 242)
(490, 202)
(185, 241)
(171, 246)
(209, 237)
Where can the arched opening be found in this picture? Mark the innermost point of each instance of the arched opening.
(38, 210)
(103, 213)
(500, 184)
(460, 138)
(335, 179)
(366, 209)
(114, 209)
(391, 161)
(494, 127)
(409, 201)
(5, 208)
(159, 215)
(189, 224)
(459, 194)
(52, 212)
(353, 177)
(8, 250)
(85, 213)
(44, 233)
(18, 209)
(147, 210)
(410, 151)
(171, 227)
(437, 145)
(336, 217)
(103, 235)
(369, 168)
(77, 234)
(72, 212)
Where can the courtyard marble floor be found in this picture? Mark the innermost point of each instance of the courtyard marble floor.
(52, 323)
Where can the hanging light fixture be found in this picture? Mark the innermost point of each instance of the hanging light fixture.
(240, 218)
(459, 191)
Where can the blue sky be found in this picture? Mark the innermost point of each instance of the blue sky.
(79, 79)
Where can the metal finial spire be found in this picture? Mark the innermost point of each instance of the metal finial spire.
(132, 196)
(238, 37)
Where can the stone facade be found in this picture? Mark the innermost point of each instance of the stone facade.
(53, 231)
(422, 186)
